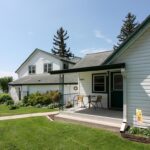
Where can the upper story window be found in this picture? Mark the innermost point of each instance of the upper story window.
(65, 66)
(47, 68)
(32, 69)
(99, 83)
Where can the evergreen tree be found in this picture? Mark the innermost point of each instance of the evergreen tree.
(60, 47)
(129, 26)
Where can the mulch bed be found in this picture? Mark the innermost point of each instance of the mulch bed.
(135, 138)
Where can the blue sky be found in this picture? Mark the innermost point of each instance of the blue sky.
(91, 24)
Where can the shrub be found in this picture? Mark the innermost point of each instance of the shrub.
(140, 131)
(38, 105)
(25, 101)
(9, 102)
(19, 104)
(146, 132)
(55, 96)
(50, 106)
(12, 107)
(4, 98)
(43, 99)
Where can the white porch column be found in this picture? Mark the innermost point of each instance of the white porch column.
(123, 72)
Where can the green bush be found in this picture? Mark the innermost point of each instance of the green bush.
(140, 131)
(12, 107)
(50, 106)
(43, 99)
(25, 101)
(38, 105)
(9, 102)
(4, 98)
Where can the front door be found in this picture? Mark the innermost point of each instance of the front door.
(116, 90)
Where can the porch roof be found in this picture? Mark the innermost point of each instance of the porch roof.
(93, 68)
(42, 79)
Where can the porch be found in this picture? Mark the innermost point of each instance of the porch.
(99, 118)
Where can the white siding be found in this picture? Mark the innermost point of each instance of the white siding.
(137, 59)
(38, 59)
(85, 87)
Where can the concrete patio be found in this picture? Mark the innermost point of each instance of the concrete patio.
(101, 118)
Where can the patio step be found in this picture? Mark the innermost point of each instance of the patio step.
(95, 117)
(90, 120)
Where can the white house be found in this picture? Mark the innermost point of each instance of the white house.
(121, 77)
(34, 75)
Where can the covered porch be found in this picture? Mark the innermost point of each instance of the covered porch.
(105, 81)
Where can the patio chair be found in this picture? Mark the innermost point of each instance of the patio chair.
(95, 100)
(99, 101)
(79, 100)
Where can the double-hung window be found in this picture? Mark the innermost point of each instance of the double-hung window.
(99, 83)
(47, 68)
(32, 69)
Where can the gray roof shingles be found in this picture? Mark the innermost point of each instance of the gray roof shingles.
(41, 79)
(93, 59)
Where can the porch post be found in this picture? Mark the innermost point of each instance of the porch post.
(62, 91)
(123, 72)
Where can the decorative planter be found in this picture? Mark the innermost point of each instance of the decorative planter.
(135, 138)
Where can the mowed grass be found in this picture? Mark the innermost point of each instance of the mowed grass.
(4, 111)
(39, 133)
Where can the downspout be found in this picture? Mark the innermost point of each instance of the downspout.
(124, 123)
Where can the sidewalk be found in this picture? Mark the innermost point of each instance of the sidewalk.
(27, 115)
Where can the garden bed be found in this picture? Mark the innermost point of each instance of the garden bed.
(137, 134)
(135, 138)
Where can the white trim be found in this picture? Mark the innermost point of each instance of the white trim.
(123, 72)
(101, 75)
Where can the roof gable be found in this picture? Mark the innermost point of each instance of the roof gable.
(129, 39)
(47, 53)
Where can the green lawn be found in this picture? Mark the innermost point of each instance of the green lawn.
(4, 111)
(39, 133)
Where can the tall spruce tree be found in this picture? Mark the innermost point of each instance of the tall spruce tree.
(129, 26)
(60, 47)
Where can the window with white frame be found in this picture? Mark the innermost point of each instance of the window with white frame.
(32, 69)
(47, 68)
(99, 83)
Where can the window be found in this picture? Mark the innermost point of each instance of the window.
(99, 83)
(32, 69)
(65, 66)
(117, 81)
(47, 68)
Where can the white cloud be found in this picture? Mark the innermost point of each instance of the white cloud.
(98, 34)
(6, 74)
(92, 50)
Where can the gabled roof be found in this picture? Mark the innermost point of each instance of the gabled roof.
(42, 79)
(141, 26)
(72, 61)
(93, 59)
